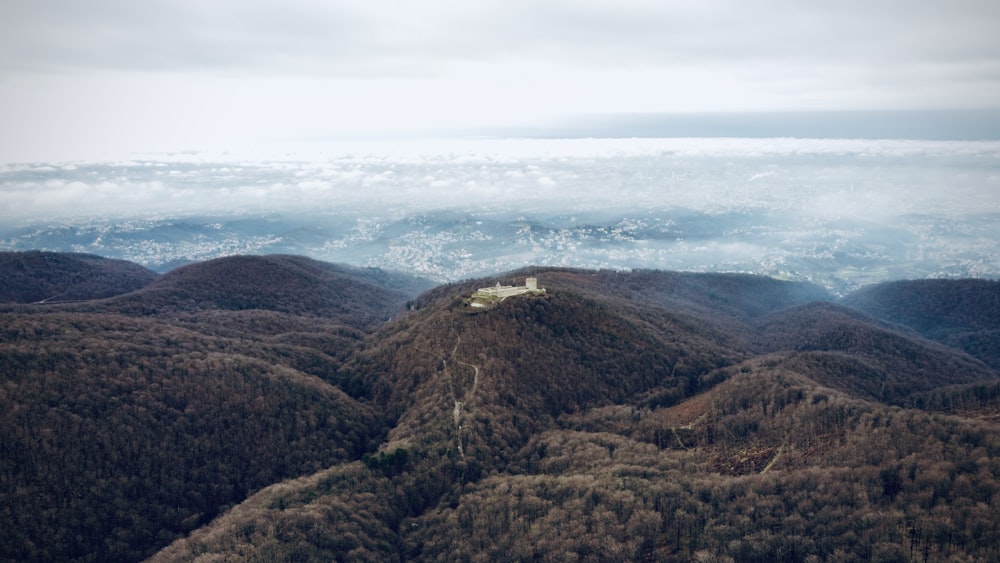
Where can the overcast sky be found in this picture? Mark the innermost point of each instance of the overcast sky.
(85, 79)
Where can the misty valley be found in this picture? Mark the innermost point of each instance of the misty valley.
(840, 255)
(841, 213)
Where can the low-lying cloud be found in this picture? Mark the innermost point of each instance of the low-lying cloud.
(825, 178)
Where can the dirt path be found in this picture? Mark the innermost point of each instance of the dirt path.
(777, 454)
(461, 398)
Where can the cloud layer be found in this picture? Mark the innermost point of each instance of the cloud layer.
(309, 36)
(173, 75)
(819, 178)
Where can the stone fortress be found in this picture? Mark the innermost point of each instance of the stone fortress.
(486, 295)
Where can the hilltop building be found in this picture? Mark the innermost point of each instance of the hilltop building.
(484, 295)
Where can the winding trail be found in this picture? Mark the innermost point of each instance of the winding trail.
(777, 455)
(460, 398)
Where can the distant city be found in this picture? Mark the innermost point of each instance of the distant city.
(842, 213)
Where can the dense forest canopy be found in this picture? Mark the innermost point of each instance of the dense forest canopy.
(268, 408)
(35, 276)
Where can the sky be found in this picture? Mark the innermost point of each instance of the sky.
(102, 78)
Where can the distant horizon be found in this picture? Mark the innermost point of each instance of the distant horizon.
(930, 124)
(847, 211)
(840, 125)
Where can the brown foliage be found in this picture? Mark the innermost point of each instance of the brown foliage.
(620, 416)
(52, 277)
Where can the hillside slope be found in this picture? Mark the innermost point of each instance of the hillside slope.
(278, 408)
(128, 421)
(507, 372)
(765, 466)
(853, 352)
(601, 421)
(121, 433)
(705, 295)
(35, 276)
(285, 284)
(964, 314)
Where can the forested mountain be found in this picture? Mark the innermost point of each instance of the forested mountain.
(34, 276)
(844, 349)
(964, 314)
(130, 420)
(267, 408)
(282, 284)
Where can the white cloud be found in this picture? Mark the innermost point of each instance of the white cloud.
(822, 178)
(426, 39)
(78, 78)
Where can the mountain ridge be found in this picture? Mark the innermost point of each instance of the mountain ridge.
(273, 407)
(964, 314)
(47, 277)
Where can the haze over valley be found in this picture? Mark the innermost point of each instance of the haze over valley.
(841, 212)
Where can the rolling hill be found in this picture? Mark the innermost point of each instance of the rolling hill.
(853, 352)
(291, 285)
(963, 314)
(278, 408)
(35, 276)
(129, 420)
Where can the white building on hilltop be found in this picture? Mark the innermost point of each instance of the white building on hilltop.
(503, 291)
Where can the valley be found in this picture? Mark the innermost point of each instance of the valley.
(446, 246)
(841, 213)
